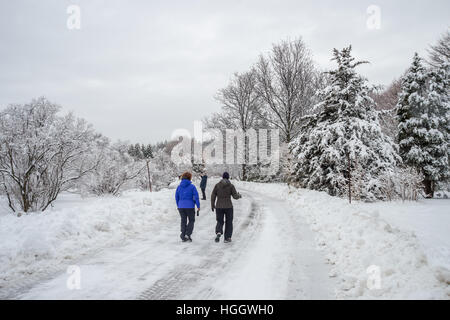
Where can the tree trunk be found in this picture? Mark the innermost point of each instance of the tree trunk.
(148, 173)
(244, 172)
(428, 187)
(349, 179)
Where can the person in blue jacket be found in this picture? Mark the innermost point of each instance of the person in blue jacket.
(187, 198)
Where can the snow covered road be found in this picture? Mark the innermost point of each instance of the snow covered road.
(288, 244)
(272, 256)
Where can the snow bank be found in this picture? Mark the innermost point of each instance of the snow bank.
(37, 244)
(357, 241)
(429, 219)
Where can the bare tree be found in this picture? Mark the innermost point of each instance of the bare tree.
(440, 53)
(287, 83)
(143, 152)
(386, 101)
(240, 108)
(240, 101)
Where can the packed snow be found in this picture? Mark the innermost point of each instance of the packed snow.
(36, 245)
(409, 242)
(288, 244)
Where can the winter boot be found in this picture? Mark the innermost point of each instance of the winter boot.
(217, 237)
(227, 240)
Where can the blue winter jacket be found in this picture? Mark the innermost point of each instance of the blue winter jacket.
(186, 195)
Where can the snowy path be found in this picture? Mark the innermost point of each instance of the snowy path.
(272, 256)
(282, 263)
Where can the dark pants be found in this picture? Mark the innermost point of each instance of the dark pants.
(228, 215)
(204, 194)
(187, 228)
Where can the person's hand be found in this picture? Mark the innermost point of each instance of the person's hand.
(212, 209)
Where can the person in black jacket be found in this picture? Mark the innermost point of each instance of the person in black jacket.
(223, 191)
(203, 185)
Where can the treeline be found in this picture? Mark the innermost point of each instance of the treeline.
(339, 134)
(43, 153)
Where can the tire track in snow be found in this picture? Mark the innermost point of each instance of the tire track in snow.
(254, 223)
(174, 285)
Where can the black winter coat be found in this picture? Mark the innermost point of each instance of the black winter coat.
(203, 182)
(223, 191)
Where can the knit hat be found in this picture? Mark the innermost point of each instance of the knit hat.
(226, 175)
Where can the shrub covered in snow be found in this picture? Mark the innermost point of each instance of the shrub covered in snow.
(115, 169)
(404, 183)
(41, 153)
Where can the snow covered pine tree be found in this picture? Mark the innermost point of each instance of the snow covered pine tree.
(344, 139)
(438, 103)
(422, 112)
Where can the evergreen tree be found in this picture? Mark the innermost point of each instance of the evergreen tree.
(343, 142)
(422, 112)
(147, 151)
(198, 168)
(141, 151)
(135, 151)
(438, 103)
(131, 151)
(438, 96)
(138, 149)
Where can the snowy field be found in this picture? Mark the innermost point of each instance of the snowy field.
(288, 244)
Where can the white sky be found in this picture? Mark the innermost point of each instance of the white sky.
(137, 70)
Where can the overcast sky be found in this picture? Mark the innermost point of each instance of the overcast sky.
(137, 70)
